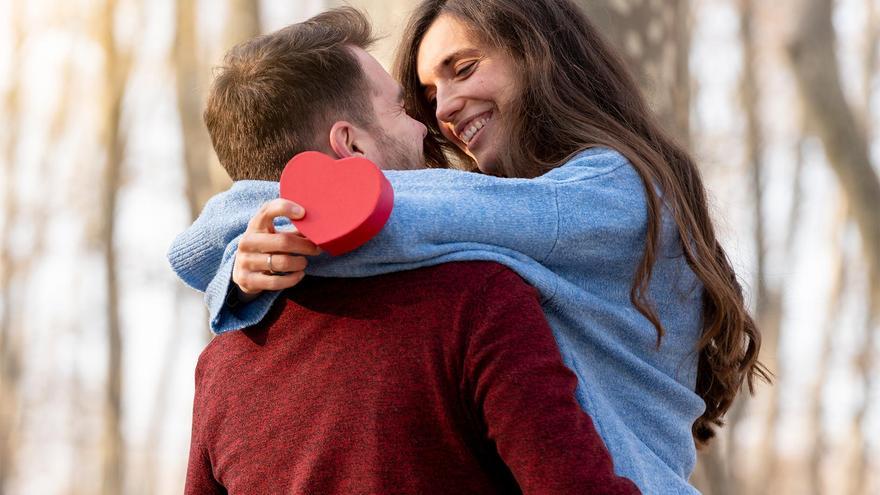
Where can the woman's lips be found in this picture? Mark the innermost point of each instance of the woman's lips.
(479, 123)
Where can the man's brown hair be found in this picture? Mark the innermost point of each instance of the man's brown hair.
(277, 94)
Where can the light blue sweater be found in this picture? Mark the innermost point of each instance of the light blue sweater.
(577, 234)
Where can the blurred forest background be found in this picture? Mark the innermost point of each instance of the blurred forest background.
(105, 159)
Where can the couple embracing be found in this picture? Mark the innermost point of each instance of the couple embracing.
(547, 310)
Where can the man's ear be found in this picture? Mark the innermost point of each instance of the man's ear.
(343, 140)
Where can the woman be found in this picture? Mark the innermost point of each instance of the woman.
(591, 205)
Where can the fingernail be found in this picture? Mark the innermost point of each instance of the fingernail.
(297, 211)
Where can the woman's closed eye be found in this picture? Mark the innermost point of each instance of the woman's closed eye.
(466, 68)
(461, 71)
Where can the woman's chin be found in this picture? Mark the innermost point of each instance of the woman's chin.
(488, 165)
(486, 159)
(485, 153)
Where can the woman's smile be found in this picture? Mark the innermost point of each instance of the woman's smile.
(468, 130)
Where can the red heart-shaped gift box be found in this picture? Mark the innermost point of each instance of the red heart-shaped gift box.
(347, 201)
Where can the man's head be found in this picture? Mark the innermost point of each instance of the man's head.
(309, 86)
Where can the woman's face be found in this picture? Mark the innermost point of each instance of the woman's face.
(471, 85)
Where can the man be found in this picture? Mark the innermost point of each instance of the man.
(301, 81)
(440, 380)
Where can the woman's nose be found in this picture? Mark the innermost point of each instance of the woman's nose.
(448, 105)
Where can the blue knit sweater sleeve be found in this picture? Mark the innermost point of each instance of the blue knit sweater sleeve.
(439, 216)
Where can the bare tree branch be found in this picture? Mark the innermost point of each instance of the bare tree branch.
(117, 68)
(813, 57)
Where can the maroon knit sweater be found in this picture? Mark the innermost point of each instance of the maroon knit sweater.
(442, 380)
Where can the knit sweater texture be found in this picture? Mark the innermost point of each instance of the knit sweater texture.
(576, 234)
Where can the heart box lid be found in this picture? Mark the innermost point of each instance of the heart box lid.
(347, 201)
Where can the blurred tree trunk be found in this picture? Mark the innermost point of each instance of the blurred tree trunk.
(813, 57)
(832, 322)
(866, 363)
(191, 73)
(10, 337)
(866, 359)
(872, 46)
(243, 22)
(750, 100)
(655, 39)
(204, 175)
(116, 71)
(767, 299)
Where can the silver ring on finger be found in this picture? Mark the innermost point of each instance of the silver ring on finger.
(271, 269)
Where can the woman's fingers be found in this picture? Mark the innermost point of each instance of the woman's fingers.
(281, 263)
(252, 274)
(264, 220)
(256, 282)
(278, 242)
(252, 270)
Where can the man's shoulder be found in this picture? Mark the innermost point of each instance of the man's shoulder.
(227, 349)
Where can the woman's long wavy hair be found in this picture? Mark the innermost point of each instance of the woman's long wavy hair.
(576, 93)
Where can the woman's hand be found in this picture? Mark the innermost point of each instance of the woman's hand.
(270, 260)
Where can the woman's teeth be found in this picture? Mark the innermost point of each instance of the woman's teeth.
(470, 131)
